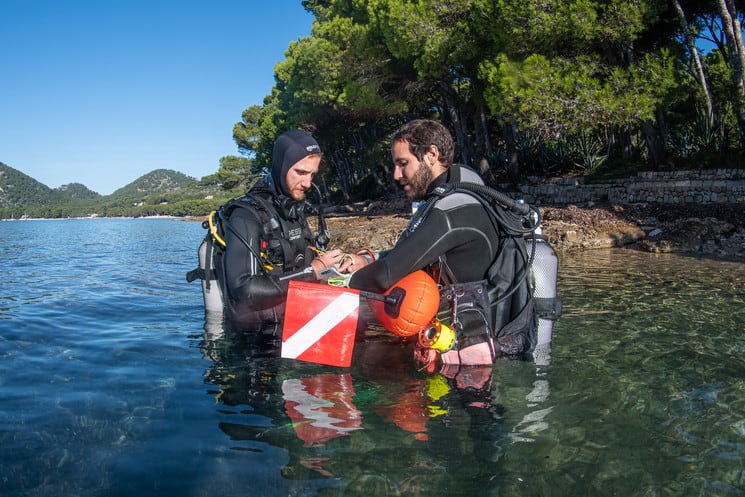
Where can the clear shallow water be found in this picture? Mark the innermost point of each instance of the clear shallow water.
(114, 384)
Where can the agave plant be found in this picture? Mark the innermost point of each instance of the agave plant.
(706, 133)
(682, 142)
(558, 155)
(588, 152)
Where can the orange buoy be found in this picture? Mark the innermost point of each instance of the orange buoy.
(410, 304)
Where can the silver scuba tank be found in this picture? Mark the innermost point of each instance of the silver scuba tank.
(213, 301)
(544, 273)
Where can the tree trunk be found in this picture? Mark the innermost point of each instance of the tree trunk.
(737, 31)
(485, 167)
(624, 140)
(654, 147)
(343, 178)
(488, 151)
(451, 106)
(733, 33)
(699, 68)
(509, 130)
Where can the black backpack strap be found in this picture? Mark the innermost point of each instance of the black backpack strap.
(548, 307)
(200, 273)
(194, 274)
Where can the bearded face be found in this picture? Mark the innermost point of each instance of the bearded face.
(413, 175)
(300, 176)
(419, 183)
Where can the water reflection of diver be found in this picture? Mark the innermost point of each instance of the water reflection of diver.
(492, 427)
(243, 363)
(473, 389)
(421, 402)
(314, 415)
(297, 410)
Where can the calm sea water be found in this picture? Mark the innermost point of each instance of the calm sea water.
(113, 383)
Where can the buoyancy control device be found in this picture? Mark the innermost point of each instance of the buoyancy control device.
(520, 219)
(214, 244)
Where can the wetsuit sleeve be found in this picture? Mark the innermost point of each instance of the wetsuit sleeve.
(246, 282)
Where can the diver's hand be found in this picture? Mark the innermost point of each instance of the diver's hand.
(326, 259)
(349, 263)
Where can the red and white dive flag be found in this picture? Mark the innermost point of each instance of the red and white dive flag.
(321, 407)
(320, 323)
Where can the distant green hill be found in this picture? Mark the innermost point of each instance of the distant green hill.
(76, 191)
(158, 181)
(159, 192)
(18, 190)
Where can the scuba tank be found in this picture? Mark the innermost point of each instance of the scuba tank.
(543, 274)
(213, 301)
(206, 271)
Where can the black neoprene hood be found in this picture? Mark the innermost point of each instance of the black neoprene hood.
(290, 147)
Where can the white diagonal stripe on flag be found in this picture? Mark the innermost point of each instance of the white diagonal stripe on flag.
(322, 323)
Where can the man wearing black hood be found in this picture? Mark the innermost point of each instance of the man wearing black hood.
(267, 238)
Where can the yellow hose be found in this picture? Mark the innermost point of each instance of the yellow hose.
(213, 230)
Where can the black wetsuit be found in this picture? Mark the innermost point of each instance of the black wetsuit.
(267, 243)
(457, 237)
(457, 227)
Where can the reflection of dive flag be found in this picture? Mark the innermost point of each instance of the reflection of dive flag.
(320, 323)
(321, 407)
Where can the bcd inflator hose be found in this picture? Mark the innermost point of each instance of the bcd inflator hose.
(529, 216)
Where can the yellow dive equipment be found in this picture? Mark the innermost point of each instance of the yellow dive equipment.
(213, 229)
(439, 336)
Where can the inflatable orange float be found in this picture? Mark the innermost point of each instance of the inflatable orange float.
(409, 306)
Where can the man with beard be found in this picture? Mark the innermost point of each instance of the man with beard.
(454, 238)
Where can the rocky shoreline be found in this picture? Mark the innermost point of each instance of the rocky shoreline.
(705, 229)
(715, 230)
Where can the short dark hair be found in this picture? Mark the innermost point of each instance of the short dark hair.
(423, 133)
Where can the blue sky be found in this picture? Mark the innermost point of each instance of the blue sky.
(101, 92)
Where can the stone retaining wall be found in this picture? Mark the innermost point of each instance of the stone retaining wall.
(669, 187)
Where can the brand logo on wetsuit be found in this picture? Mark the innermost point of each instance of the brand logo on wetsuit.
(295, 233)
(418, 216)
(413, 226)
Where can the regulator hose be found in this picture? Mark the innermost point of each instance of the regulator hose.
(213, 228)
(323, 237)
(518, 218)
(526, 218)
